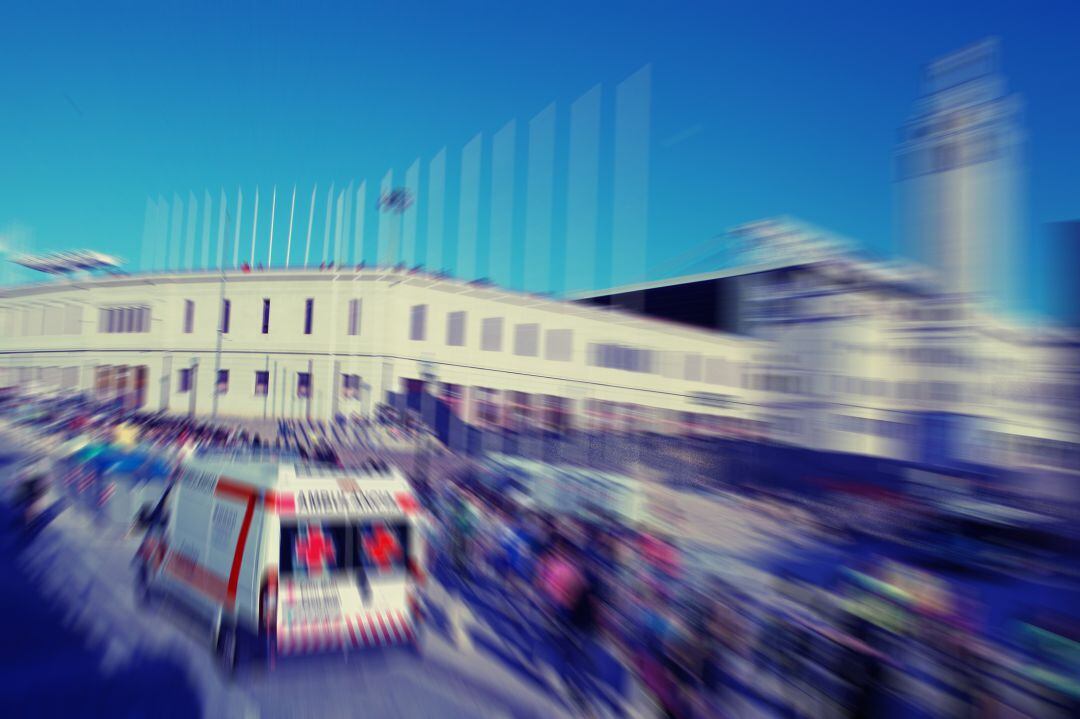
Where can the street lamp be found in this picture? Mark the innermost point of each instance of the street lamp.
(428, 376)
(396, 201)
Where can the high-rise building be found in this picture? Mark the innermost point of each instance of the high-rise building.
(958, 177)
(1058, 272)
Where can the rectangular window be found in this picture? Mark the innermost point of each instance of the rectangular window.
(382, 547)
(309, 311)
(185, 380)
(266, 317)
(527, 340)
(222, 381)
(558, 345)
(189, 316)
(73, 320)
(354, 317)
(226, 314)
(350, 386)
(487, 401)
(621, 357)
(418, 322)
(715, 370)
(491, 334)
(303, 384)
(262, 383)
(455, 329)
(693, 368)
(315, 549)
(672, 365)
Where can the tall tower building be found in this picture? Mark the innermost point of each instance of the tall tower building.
(958, 177)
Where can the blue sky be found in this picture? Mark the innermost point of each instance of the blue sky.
(758, 108)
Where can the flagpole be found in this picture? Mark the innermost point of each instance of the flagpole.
(273, 208)
(288, 242)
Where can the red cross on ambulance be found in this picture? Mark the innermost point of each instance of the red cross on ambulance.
(313, 550)
(382, 547)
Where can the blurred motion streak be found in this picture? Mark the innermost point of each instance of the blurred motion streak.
(787, 480)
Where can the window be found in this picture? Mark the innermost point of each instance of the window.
(693, 368)
(309, 311)
(226, 312)
(313, 549)
(383, 547)
(303, 384)
(354, 317)
(222, 381)
(266, 317)
(185, 380)
(189, 316)
(350, 386)
(715, 370)
(491, 334)
(557, 345)
(418, 323)
(72, 320)
(455, 329)
(487, 401)
(262, 383)
(621, 357)
(527, 340)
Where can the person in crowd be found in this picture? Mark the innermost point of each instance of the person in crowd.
(461, 536)
(570, 614)
(862, 671)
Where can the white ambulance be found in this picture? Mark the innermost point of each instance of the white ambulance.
(288, 559)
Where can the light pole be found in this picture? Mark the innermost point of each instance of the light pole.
(396, 201)
(429, 377)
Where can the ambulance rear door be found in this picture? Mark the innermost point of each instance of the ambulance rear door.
(343, 581)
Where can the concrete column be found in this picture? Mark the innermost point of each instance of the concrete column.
(163, 384)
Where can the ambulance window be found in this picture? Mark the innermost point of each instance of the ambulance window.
(313, 549)
(383, 546)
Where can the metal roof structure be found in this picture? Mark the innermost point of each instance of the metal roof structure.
(68, 262)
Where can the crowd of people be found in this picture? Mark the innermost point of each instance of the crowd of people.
(578, 589)
(876, 638)
(176, 436)
(585, 587)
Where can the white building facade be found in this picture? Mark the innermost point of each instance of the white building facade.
(319, 344)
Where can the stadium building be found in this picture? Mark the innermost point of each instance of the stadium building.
(319, 344)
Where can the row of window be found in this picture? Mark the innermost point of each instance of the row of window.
(350, 383)
(558, 346)
(526, 340)
(352, 324)
(41, 320)
(558, 343)
(124, 319)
